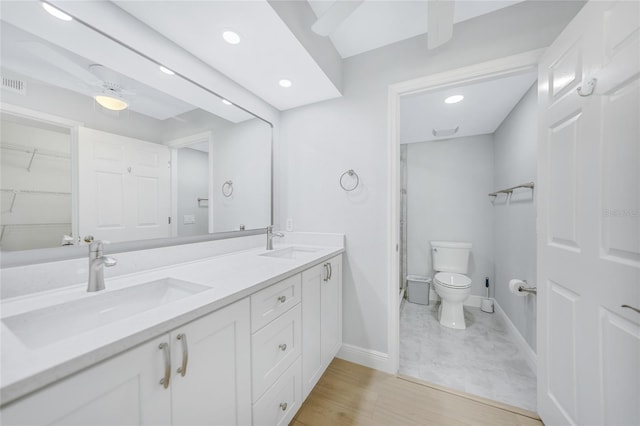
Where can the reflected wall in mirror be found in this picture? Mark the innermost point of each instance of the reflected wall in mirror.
(92, 151)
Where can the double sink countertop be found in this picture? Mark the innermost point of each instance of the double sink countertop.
(49, 335)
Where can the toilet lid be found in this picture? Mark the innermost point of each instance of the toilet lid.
(453, 280)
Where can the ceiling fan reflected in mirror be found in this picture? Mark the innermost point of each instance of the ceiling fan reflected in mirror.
(97, 81)
(440, 15)
(111, 95)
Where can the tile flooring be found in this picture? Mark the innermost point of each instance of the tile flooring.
(482, 360)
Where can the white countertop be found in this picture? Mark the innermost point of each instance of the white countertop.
(230, 277)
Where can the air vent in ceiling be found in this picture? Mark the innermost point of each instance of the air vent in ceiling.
(439, 133)
(14, 85)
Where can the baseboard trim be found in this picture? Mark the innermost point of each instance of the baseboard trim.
(367, 357)
(530, 355)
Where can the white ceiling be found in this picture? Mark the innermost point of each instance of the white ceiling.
(379, 23)
(268, 50)
(484, 108)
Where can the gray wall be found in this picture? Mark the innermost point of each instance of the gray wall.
(320, 141)
(515, 156)
(193, 183)
(447, 201)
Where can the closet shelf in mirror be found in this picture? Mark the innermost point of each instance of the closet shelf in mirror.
(41, 225)
(34, 152)
(15, 193)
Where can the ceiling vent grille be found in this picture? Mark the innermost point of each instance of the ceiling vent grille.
(14, 85)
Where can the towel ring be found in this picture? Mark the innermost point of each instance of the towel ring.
(227, 188)
(351, 173)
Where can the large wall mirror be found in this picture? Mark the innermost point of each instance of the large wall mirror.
(100, 142)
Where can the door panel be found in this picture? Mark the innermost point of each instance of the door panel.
(589, 221)
(216, 388)
(124, 187)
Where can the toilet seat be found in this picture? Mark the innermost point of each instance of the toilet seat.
(452, 280)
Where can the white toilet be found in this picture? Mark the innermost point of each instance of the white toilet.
(450, 263)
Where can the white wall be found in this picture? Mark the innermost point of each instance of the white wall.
(448, 183)
(515, 154)
(43, 218)
(321, 141)
(193, 183)
(242, 155)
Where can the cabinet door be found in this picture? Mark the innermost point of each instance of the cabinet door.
(331, 311)
(216, 386)
(124, 390)
(311, 346)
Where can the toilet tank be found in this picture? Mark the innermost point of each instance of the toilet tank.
(450, 256)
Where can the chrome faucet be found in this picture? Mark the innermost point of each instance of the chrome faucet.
(270, 235)
(97, 262)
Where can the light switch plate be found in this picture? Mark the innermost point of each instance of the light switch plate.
(289, 225)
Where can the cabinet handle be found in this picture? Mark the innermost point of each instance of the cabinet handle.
(282, 299)
(330, 270)
(164, 347)
(326, 272)
(185, 354)
(283, 347)
(283, 406)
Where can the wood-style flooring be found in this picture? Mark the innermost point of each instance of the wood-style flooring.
(350, 394)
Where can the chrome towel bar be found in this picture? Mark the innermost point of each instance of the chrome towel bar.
(529, 185)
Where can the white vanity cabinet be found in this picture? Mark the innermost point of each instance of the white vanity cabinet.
(321, 319)
(126, 389)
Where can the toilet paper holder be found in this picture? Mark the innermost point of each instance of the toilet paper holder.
(531, 290)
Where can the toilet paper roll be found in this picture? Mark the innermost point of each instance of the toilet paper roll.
(514, 284)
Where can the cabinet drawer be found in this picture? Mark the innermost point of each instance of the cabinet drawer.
(274, 348)
(268, 304)
(281, 402)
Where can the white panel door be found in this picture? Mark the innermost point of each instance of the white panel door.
(589, 220)
(124, 390)
(124, 187)
(216, 386)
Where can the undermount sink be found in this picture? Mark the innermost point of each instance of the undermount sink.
(48, 325)
(291, 252)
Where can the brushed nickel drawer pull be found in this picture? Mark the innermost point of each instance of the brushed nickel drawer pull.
(185, 354)
(330, 270)
(630, 307)
(282, 299)
(283, 406)
(326, 272)
(283, 347)
(164, 347)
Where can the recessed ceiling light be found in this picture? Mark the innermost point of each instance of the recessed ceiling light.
(56, 12)
(231, 37)
(166, 70)
(453, 99)
(226, 102)
(111, 102)
(285, 83)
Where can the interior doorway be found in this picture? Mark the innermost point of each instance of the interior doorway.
(481, 72)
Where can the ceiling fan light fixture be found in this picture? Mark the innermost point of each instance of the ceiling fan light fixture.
(454, 99)
(231, 37)
(111, 102)
(56, 12)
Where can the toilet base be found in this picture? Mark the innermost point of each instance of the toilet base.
(452, 315)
